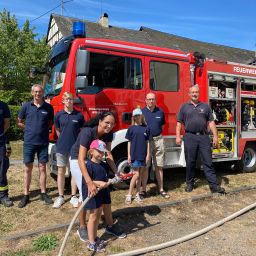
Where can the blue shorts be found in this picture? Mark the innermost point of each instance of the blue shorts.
(29, 152)
(138, 163)
(102, 197)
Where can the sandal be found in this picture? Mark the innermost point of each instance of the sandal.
(164, 194)
(128, 199)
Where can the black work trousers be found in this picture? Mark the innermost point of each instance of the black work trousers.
(192, 145)
(4, 165)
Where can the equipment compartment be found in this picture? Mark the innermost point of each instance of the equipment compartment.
(223, 102)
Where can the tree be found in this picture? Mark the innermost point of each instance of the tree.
(19, 51)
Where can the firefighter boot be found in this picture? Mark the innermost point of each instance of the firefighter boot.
(6, 201)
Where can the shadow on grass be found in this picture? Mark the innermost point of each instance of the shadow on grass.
(34, 194)
(133, 219)
(175, 179)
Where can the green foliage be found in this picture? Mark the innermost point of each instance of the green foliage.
(14, 132)
(19, 51)
(45, 243)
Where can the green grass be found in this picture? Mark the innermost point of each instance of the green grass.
(45, 243)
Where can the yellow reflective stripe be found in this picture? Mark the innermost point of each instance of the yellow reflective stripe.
(4, 188)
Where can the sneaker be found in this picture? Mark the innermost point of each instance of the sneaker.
(58, 202)
(95, 247)
(218, 190)
(128, 199)
(113, 231)
(47, 199)
(82, 233)
(189, 188)
(6, 201)
(24, 201)
(138, 198)
(74, 201)
(101, 242)
(143, 194)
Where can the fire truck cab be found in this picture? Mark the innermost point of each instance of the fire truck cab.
(116, 76)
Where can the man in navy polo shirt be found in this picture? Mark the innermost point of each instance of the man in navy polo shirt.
(4, 162)
(35, 117)
(197, 116)
(68, 124)
(155, 120)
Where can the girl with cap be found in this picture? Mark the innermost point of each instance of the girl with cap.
(98, 174)
(138, 151)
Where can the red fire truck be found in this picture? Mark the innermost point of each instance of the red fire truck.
(115, 75)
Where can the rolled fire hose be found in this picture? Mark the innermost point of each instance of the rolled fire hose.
(115, 180)
(187, 237)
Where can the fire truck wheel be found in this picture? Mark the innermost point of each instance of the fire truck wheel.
(120, 157)
(248, 162)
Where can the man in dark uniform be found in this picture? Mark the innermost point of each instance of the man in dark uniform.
(4, 161)
(197, 116)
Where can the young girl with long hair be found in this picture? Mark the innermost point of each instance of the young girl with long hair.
(138, 151)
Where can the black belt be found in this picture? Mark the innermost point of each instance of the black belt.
(197, 133)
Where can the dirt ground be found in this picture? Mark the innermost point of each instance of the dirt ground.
(156, 225)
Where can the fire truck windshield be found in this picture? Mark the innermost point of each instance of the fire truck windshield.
(56, 76)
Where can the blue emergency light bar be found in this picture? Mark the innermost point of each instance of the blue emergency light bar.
(78, 29)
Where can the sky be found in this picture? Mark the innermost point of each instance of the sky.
(224, 22)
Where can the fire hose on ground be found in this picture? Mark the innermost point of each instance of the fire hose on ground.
(116, 179)
(187, 237)
(163, 245)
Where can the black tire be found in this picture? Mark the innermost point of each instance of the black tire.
(248, 161)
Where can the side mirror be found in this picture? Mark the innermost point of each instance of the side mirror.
(82, 62)
(81, 82)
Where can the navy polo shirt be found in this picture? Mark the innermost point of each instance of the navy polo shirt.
(69, 125)
(97, 171)
(138, 135)
(154, 120)
(36, 122)
(4, 113)
(195, 118)
(85, 138)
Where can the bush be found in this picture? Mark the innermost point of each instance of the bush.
(14, 132)
(13, 97)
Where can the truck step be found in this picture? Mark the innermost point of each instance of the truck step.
(171, 149)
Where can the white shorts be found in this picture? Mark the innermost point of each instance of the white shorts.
(77, 174)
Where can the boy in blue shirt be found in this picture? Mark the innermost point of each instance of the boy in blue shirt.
(68, 124)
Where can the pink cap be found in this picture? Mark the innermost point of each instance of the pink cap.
(99, 145)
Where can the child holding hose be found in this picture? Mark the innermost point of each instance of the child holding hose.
(98, 174)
